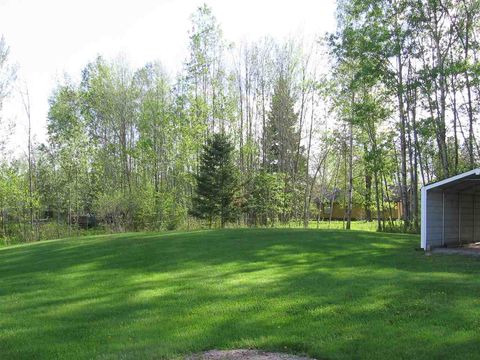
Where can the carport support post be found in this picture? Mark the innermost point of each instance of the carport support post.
(474, 232)
(459, 218)
(423, 227)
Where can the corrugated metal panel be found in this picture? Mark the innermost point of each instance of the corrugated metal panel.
(451, 210)
(434, 219)
(466, 218)
(451, 219)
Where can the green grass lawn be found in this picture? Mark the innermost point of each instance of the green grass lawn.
(330, 294)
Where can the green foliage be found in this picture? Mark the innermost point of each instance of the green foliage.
(281, 135)
(117, 211)
(217, 182)
(395, 109)
(266, 198)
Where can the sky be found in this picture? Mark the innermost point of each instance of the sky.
(49, 38)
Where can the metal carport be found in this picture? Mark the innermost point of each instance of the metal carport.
(451, 211)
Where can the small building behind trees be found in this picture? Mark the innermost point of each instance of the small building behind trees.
(332, 205)
(337, 211)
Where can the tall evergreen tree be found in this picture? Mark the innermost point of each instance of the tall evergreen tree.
(281, 135)
(217, 182)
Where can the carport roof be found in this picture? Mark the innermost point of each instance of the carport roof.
(467, 181)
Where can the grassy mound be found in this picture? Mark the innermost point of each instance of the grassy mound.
(327, 294)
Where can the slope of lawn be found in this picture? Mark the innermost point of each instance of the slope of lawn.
(330, 294)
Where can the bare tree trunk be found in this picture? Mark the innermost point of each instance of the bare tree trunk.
(332, 199)
(350, 174)
(377, 200)
(413, 153)
(307, 195)
(368, 197)
(389, 203)
(403, 145)
(26, 105)
(240, 91)
(345, 178)
(455, 122)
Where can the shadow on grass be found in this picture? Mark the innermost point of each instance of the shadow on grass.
(328, 294)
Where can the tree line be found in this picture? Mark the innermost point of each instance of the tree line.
(259, 133)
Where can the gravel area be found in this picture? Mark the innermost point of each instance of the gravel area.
(244, 355)
(467, 249)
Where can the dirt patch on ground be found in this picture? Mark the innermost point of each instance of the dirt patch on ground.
(467, 249)
(243, 355)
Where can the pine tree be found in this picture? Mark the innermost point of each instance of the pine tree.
(281, 136)
(284, 153)
(217, 182)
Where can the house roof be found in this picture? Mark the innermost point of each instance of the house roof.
(467, 181)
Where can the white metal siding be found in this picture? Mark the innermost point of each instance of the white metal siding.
(434, 219)
(447, 217)
(451, 218)
(466, 218)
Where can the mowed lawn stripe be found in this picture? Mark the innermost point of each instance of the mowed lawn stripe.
(328, 294)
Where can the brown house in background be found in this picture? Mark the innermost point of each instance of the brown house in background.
(392, 211)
